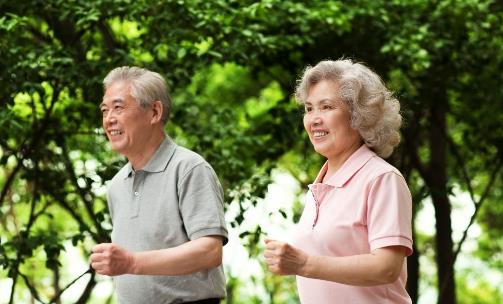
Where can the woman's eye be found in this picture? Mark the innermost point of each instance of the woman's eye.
(308, 109)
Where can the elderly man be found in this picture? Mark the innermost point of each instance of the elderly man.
(166, 203)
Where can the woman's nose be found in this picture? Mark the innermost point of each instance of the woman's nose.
(316, 117)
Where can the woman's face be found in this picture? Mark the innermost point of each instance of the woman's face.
(327, 122)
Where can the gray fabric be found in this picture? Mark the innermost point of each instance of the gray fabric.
(174, 199)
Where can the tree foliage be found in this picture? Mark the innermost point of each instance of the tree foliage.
(231, 66)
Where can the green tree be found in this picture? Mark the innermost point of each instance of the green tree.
(232, 67)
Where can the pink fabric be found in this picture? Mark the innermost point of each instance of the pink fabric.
(365, 205)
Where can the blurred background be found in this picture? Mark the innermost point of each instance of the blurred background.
(231, 67)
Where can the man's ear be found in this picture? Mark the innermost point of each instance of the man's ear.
(157, 110)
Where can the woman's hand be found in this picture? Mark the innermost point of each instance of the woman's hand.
(284, 259)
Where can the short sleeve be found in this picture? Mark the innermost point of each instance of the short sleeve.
(201, 203)
(110, 203)
(389, 213)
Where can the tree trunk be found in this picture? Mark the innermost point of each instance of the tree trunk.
(437, 182)
(413, 271)
(57, 289)
(406, 165)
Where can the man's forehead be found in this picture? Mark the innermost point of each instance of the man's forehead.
(118, 92)
(119, 87)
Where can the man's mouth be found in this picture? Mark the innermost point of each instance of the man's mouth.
(115, 132)
(317, 134)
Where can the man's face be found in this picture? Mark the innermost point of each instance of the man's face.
(126, 124)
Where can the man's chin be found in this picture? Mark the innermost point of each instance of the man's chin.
(116, 147)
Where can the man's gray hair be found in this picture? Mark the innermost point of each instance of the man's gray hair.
(146, 86)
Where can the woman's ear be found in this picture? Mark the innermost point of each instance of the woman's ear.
(157, 110)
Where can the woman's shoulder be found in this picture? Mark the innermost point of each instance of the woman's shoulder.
(377, 166)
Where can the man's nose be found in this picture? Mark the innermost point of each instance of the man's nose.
(109, 117)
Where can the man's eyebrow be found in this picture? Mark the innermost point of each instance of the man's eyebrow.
(115, 101)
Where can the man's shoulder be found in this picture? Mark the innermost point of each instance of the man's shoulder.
(186, 158)
(186, 162)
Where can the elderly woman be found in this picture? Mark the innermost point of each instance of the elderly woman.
(351, 243)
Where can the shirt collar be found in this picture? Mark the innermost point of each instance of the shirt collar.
(354, 163)
(159, 161)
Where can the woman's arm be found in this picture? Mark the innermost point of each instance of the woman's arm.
(381, 266)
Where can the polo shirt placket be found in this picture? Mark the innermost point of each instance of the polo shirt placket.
(319, 190)
(138, 179)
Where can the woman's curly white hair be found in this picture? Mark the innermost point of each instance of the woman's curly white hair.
(375, 113)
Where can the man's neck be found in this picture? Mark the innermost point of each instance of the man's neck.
(145, 153)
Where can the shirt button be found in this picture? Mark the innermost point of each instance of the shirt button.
(136, 193)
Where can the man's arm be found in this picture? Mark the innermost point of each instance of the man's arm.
(193, 256)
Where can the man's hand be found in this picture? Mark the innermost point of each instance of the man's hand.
(284, 259)
(111, 259)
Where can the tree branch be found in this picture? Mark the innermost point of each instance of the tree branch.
(417, 163)
(15, 270)
(19, 256)
(87, 291)
(32, 289)
(82, 194)
(75, 216)
(108, 38)
(40, 37)
(34, 143)
(8, 182)
(478, 205)
(58, 295)
(462, 167)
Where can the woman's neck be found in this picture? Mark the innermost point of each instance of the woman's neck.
(336, 162)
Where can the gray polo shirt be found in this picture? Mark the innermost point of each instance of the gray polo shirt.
(175, 198)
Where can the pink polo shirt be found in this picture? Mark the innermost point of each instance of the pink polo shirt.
(365, 205)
